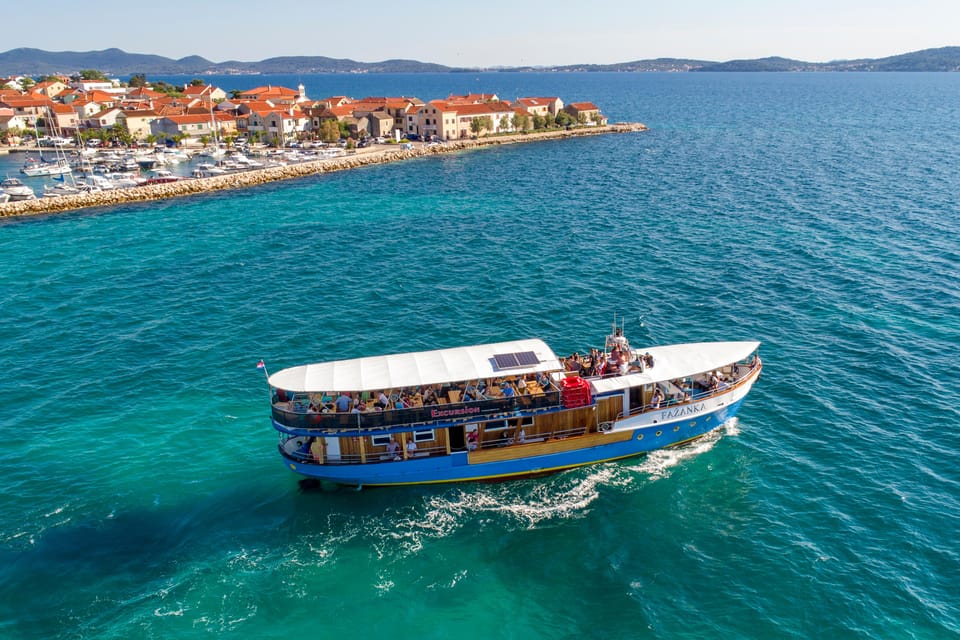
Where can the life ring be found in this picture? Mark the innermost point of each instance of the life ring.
(606, 427)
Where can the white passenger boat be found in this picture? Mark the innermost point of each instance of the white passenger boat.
(504, 410)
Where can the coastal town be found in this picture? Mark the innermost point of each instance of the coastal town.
(90, 134)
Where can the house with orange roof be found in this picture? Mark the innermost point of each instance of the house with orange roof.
(472, 98)
(32, 106)
(49, 88)
(497, 116)
(103, 98)
(437, 118)
(276, 95)
(278, 125)
(10, 120)
(103, 119)
(542, 106)
(585, 113)
(85, 108)
(205, 93)
(193, 126)
(65, 117)
(138, 121)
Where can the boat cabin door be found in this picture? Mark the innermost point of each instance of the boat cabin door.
(333, 449)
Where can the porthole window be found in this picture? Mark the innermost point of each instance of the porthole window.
(639, 436)
(659, 433)
(676, 428)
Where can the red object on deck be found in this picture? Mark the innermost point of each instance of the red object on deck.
(575, 392)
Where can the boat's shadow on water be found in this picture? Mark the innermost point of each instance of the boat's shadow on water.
(153, 541)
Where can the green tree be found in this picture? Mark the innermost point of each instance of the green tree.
(196, 82)
(476, 126)
(92, 74)
(26, 83)
(539, 122)
(564, 119)
(151, 139)
(205, 139)
(504, 122)
(120, 133)
(329, 130)
(235, 93)
(138, 80)
(521, 121)
(581, 118)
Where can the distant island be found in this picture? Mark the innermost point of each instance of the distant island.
(118, 62)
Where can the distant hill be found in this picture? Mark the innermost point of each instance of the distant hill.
(116, 62)
(942, 59)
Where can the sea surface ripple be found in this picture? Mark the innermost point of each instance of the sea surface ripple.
(818, 213)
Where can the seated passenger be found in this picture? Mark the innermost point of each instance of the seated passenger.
(508, 390)
(411, 447)
(648, 360)
(393, 449)
(471, 440)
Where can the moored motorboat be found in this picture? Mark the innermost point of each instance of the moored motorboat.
(504, 410)
(17, 190)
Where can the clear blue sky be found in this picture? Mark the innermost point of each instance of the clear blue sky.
(504, 32)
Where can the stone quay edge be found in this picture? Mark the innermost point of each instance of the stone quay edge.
(245, 179)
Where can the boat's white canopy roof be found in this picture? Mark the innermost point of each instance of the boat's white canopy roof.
(413, 369)
(679, 361)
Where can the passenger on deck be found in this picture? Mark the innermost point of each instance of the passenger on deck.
(382, 401)
(429, 396)
(411, 447)
(522, 385)
(613, 362)
(656, 399)
(648, 360)
(508, 390)
(471, 440)
(504, 438)
(600, 368)
(544, 381)
(575, 364)
(344, 403)
(393, 449)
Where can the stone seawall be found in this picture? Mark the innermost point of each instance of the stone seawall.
(189, 186)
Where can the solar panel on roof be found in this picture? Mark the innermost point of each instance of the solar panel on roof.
(514, 360)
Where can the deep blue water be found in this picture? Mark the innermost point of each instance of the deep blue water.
(142, 496)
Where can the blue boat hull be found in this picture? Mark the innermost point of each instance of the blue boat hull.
(457, 467)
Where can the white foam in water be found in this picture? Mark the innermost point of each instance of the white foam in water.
(566, 495)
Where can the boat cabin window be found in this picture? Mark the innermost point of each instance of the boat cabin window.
(424, 436)
(381, 440)
(495, 425)
(526, 421)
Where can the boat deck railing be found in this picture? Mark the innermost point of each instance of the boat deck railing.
(440, 414)
(693, 396)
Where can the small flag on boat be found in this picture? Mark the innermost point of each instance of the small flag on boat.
(260, 365)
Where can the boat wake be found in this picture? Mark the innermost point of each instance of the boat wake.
(527, 504)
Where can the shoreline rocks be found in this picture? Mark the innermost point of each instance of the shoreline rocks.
(192, 186)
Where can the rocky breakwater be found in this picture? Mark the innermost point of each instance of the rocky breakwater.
(191, 186)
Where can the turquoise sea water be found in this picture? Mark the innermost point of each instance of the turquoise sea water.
(141, 495)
